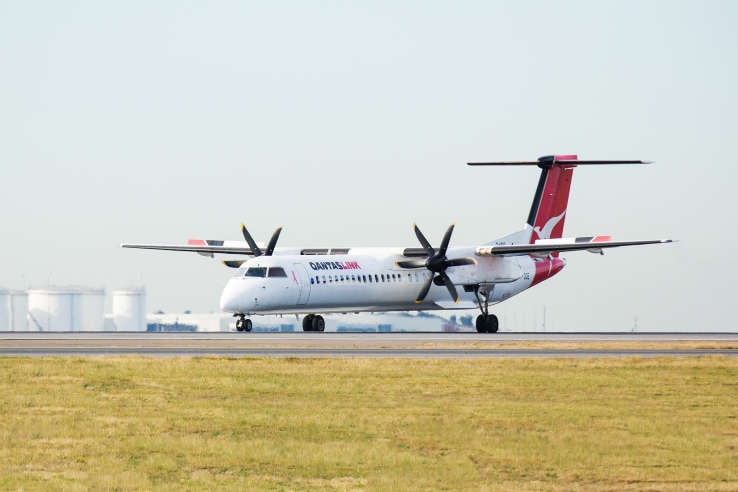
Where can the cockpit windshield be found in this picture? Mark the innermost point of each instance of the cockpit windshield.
(261, 272)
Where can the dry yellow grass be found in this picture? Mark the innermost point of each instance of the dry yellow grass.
(355, 424)
(588, 345)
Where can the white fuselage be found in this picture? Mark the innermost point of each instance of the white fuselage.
(365, 279)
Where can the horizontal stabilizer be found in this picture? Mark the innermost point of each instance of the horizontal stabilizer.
(572, 162)
(548, 246)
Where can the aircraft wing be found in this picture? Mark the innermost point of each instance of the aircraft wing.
(206, 249)
(544, 247)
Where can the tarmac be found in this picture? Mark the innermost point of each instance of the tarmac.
(374, 345)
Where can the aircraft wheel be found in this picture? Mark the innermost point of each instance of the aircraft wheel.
(487, 324)
(307, 322)
(239, 323)
(247, 326)
(318, 323)
(481, 324)
(493, 323)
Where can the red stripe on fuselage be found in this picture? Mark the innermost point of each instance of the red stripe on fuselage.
(546, 268)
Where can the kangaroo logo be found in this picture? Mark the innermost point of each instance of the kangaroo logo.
(545, 233)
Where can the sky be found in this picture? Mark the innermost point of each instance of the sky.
(346, 122)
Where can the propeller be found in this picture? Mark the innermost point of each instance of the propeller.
(437, 263)
(256, 249)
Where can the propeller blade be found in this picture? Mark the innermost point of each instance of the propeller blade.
(233, 263)
(424, 290)
(461, 262)
(423, 241)
(450, 286)
(410, 263)
(445, 241)
(273, 242)
(250, 240)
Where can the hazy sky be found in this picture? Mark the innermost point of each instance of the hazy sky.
(346, 122)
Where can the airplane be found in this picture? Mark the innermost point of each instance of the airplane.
(314, 281)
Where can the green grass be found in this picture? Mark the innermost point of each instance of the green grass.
(353, 424)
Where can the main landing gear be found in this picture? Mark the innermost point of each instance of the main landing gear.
(486, 323)
(313, 322)
(243, 323)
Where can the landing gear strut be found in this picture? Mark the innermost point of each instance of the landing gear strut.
(243, 323)
(486, 323)
(313, 322)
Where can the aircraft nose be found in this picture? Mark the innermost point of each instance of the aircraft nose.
(229, 298)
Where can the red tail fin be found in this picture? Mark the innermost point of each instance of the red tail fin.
(548, 211)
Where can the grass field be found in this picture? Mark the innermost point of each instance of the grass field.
(375, 424)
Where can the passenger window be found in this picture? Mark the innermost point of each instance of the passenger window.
(376, 278)
(323, 278)
(256, 272)
(277, 272)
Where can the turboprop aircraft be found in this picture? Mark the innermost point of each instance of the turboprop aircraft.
(311, 281)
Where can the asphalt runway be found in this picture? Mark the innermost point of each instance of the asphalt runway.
(375, 345)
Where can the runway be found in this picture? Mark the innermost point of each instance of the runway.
(374, 345)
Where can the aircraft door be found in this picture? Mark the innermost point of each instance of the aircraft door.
(303, 283)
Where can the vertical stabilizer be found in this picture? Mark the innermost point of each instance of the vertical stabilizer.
(548, 210)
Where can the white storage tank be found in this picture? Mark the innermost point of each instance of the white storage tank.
(50, 309)
(66, 309)
(129, 309)
(88, 309)
(6, 323)
(18, 310)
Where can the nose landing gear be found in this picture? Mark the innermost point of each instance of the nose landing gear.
(243, 323)
(486, 323)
